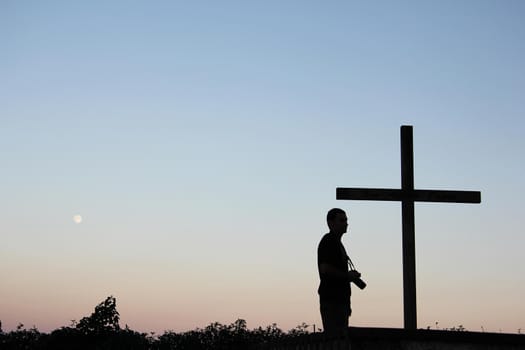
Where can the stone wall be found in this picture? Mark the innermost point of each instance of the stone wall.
(357, 338)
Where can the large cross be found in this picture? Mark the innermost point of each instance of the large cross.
(407, 195)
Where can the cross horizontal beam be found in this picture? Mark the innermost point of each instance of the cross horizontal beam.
(386, 194)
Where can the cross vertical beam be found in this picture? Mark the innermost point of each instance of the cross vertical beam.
(408, 227)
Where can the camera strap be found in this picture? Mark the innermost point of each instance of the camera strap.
(350, 264)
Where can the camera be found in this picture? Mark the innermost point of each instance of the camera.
(360, 283)
(357, 281)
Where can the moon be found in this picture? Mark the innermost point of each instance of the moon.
(77, 219)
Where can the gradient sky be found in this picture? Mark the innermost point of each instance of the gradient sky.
(202, 142)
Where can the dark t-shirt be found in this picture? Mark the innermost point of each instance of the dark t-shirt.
(331, 251)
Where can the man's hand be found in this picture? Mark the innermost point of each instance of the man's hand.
(353, 275)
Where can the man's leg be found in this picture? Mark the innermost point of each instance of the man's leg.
(335, 317)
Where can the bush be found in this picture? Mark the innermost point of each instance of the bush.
(101, 330)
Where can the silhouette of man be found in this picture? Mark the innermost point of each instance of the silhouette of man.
(332, 262)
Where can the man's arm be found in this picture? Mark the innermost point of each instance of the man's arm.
(333, 272)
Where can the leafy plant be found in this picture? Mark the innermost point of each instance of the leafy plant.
(104, 320)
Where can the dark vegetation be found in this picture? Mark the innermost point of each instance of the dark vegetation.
(101, 330)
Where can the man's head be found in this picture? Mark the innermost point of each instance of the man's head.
(337, 221)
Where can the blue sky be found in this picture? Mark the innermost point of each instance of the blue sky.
(202, 144)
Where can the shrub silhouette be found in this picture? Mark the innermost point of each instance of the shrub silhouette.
(101, 330)
(103, 321)
(20, 338)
